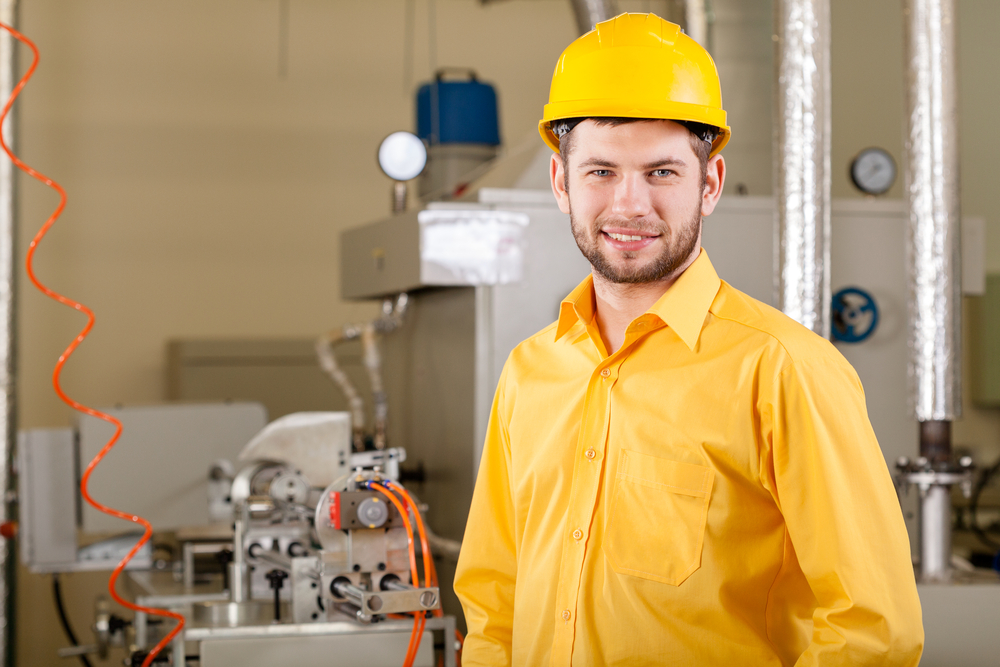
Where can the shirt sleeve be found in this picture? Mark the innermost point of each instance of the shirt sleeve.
(843, 519)
(487, 565)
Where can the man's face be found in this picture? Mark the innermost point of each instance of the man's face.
(635, 198)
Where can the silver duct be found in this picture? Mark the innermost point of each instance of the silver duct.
(696, 21)
(591, 12)
(8, 428)
(932, 198)
(802, 161)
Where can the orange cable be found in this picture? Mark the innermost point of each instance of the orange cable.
(415, 633)
(430, 576)
(423, 543)
(66, 355)
(406, 522)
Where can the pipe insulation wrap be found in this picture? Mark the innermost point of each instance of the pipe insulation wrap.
(696, 21)
(591, 12)
(933, 211)
(802, 161)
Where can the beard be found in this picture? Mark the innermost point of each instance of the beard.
(678, 248)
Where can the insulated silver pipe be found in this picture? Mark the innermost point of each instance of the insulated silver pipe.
(802, 161)
(591, 12)
(696, 21)
(933, 212)
(8, 285)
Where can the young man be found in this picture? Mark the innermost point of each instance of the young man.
(674, 473)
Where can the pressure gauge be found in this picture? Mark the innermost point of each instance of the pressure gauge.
(402, 156)
(873, 171)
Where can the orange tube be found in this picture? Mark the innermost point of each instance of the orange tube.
(406, 522)
(414, 644)
(66, 355)
(430, 576)
(428, 562)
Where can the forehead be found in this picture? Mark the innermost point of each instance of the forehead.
(631, 142)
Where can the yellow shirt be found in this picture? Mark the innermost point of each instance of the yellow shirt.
(710, 494)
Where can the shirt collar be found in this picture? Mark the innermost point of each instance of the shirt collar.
(683, 307)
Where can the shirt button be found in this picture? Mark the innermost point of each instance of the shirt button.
(565, 614)
(577, 534)
(590, 453)
(606, 372)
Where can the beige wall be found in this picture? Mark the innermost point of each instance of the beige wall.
(206, 194)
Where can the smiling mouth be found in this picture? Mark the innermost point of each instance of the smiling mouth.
(625, 237)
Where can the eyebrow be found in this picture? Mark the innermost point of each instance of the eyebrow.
(656, 164)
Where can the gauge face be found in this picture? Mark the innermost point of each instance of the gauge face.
(402, 156)
(873, 171)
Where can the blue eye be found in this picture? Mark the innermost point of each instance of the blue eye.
(662, 172)
(601, 172)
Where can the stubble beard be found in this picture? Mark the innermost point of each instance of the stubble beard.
(676, 251)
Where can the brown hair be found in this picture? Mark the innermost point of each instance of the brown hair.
(700, 146)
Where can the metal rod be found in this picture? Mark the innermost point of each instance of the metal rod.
(395, 585)
(935, 533)
(349, 591)
(933, 211)
(274, 558)
(8, 348)
(802, 161)
(398, 196)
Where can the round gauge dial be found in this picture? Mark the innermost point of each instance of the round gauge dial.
(873, 171)
(402, 156)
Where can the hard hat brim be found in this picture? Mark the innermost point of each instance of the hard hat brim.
(552, 141)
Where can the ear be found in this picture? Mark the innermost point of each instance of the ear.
(557, 176)
(715, 178)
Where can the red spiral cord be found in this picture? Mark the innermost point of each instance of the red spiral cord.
(66, 355)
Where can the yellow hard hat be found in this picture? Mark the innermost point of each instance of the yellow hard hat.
(636, 66)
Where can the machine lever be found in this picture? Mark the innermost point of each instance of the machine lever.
(277, 579)
(74, 651)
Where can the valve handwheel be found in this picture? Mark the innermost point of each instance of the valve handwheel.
(855, 315)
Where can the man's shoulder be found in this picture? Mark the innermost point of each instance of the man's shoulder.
(754, 318)
(538, 343)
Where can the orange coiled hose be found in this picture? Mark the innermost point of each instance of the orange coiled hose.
(66, 355)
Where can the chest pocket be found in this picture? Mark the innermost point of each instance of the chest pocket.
(656, 524)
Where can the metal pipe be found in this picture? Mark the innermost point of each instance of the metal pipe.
(935, 441)
(8, 291)
(802, 161)
(696, 21)
(591, 12)
(935, 533)
(933, 211)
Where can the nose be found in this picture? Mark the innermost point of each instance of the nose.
(632, 197)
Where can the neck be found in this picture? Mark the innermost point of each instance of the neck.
(618, 304)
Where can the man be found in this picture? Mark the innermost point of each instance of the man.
(674, 473)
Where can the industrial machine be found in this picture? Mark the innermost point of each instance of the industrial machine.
(321, 551)
(313, 569)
